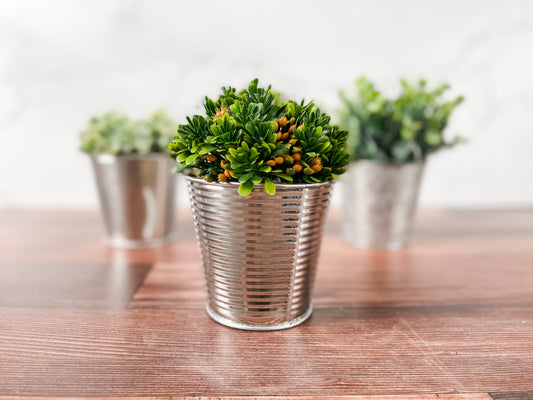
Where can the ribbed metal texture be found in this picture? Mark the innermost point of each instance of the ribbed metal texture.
(137, 198)
(379, 203)
(259, 253)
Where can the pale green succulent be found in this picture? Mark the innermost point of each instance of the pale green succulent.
(400, 130)
(116, 133)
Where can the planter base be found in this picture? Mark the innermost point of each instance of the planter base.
(249, 327)
(259, 253)
(379, 204)
(137, 199)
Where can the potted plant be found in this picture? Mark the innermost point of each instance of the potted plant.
(133, 172)
(389, 142)
(260, 172)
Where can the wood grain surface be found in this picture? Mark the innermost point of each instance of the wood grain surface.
(449, 318)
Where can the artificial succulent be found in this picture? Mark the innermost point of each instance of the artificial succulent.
(401, 130)
(116, 133)
(252, 137)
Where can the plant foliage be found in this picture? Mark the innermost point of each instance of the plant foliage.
(252, 137)
(401, 130)
(115, 133)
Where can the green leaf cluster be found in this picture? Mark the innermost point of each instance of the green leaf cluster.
(252, 137)
(116, 133)
(401, 130)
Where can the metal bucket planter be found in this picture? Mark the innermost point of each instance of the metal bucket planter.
(137, 198)
(259, 252)
(379, 203)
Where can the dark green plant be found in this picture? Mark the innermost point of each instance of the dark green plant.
(252, 137)
(401, 130)
(115, 133)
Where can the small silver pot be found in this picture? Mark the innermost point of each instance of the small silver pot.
(259, 252)
(137, 198)
(379, 203)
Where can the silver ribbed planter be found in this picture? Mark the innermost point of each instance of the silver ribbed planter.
(137, 198)
(260, 252)
(379, 203)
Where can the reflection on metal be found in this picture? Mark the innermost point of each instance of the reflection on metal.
(379, 203)
(137, 198)
(259, 253)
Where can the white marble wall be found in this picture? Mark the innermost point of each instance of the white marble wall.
(62, 61)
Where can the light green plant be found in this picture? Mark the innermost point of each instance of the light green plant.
(252, 137)
(115, 133)
(401, 130)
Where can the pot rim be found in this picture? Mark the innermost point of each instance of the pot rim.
(260, 185)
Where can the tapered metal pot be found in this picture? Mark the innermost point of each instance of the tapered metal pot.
(379, 203)
(137, 198)
(259, 252)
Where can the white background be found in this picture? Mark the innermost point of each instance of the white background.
(63, 61)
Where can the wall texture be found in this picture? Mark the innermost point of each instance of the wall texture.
(63, 61)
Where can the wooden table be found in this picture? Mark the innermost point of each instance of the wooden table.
(449, 318)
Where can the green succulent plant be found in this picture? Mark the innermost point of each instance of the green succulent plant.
(115, 133)
(401, 130)
(252, 137)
